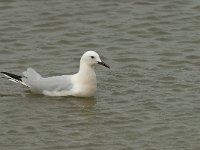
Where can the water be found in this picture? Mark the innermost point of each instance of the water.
(149, 100)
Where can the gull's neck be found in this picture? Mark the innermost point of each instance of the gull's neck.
(86, 70)
(86, 77)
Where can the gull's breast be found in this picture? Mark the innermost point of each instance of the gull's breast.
(85, 87)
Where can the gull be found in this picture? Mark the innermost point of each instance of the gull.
(81, 84)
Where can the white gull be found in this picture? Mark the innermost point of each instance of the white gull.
(81, 84)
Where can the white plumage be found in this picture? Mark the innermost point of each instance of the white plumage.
(81, 84)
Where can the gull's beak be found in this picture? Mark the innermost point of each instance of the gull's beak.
(103, 64)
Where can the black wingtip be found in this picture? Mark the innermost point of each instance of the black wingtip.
(14, 76)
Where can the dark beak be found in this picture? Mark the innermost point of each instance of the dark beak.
(103, 64)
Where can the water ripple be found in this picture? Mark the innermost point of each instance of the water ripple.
(149, 99)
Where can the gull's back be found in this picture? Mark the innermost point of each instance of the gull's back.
(50, 84)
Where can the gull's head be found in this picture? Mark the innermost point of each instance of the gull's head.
(91, 58)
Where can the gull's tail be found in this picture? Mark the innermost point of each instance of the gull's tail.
(14, 78)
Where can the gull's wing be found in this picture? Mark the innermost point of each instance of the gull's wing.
(50, 84)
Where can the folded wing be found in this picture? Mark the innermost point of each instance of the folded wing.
(51, 84)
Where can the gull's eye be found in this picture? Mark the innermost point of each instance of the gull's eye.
(92, 57)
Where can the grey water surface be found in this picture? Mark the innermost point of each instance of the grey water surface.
(148, 100)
